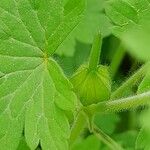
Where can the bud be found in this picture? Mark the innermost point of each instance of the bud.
(92, 86)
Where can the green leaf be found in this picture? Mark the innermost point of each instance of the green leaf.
(23, 145)
(142, 7)
(107, 122)
(121, 13)
(131, 25)
(89, 143)
(94, 20)
(126, 14)
(127, 139)
(143, 139)
(34, 93)
(137, 41)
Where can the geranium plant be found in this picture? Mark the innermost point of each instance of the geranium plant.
(59, 90)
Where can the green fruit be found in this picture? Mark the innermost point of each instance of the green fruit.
(92, 86)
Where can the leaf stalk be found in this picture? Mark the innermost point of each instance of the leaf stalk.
(106, 139)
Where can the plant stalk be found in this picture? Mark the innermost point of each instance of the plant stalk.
(95, 52)
(106, 139)
(120, 104)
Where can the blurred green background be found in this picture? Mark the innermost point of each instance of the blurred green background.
(125, 27)
(126, 47)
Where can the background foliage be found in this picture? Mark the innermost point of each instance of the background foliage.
(128, 24)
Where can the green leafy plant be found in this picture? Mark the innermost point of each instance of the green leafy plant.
(41, 107)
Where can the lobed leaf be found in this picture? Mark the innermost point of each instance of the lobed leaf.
(34, 93)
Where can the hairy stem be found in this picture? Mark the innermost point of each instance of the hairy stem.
(128, 103)
(106, 139)
(132, 81)
(120, 104)
(95, 52)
